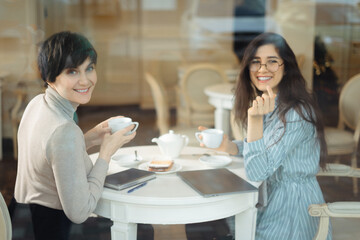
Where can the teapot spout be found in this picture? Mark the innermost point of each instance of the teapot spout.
(155, 140)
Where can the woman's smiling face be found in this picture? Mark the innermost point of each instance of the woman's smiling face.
(266, 54)
(77, 84)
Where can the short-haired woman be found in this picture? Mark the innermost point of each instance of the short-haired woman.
(55, 174)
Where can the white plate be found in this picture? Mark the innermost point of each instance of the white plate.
(175, 168)
(215, 161)
(126, 160)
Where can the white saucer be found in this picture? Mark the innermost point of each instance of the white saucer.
(126, 160)
(175, 168)
(215, 161)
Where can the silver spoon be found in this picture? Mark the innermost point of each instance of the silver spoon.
(202, 154)
(136, 156)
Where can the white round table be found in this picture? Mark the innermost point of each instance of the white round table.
(169, 200)
(221, 96)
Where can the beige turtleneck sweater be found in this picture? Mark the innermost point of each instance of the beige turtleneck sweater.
(54, 169)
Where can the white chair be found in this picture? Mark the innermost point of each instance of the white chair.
(163, 111)
(18, 55)
(341, 142)
(193, 107)
(5, 221)
(16, 114)
(345, 216)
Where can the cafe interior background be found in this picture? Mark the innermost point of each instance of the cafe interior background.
(163, 37)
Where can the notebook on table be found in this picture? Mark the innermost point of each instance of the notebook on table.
(215, 182)
(128, 178)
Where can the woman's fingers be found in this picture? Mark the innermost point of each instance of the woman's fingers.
(253, 109)
(255, 104)
(122, 137)
(266, 99)
(264, 104)
(270, 91)
(202, 128)
(272, 97)
(113, 142)
(260, 105)
(127, 129)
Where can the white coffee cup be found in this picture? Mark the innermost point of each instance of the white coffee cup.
(211, 137)
(117, 124)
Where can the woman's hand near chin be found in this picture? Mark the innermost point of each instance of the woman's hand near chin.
(225, 146)
(112, 142)
(261, 106)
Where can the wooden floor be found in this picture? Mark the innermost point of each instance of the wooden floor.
(90, 116)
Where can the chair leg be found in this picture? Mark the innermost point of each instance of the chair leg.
(15, 147)
(355, 187)
(355, 180)
(337, 161)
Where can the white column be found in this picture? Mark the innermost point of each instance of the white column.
(222, 120)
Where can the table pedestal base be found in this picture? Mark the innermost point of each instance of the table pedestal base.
(124, 231)
(245, 229)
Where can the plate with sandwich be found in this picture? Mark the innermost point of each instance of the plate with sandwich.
(160, 166)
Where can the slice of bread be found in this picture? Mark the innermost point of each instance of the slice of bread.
(160, 165)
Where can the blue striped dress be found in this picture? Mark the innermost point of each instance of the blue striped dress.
(288, 166)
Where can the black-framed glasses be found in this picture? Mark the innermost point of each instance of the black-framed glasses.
(271, 65)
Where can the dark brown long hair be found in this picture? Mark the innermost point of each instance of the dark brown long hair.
(292, 88)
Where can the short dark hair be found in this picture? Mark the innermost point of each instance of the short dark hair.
(61, 51)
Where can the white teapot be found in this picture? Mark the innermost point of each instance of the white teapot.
(171, 144)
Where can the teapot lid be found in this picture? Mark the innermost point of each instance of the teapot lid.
(171, 136)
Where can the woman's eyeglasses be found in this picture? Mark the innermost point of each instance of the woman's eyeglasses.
(271, 65)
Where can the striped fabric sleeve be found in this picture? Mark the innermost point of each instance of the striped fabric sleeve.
(264, 156)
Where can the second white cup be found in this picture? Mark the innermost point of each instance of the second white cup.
(117, 124)
(211, 137)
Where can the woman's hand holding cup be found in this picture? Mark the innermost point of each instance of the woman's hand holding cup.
(95, 136)
(117, 124)
(123, 130)
(225, 145)
(211, 138)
